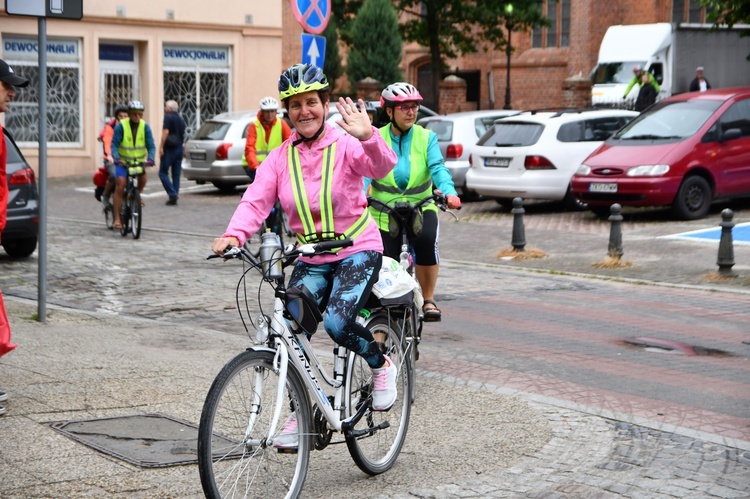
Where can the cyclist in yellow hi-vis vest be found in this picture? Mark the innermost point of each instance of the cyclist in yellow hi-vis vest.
(420, 169)
(264, 135)
(131, 142)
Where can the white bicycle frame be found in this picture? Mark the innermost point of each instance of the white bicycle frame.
(307, 364)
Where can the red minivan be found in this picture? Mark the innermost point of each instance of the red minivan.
(685, 151)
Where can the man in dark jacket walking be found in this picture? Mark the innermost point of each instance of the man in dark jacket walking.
(170, 150)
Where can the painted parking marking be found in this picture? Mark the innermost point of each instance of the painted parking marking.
(740, 234)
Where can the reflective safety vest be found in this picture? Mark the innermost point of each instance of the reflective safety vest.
(419, 186)
(133, 152)
(327, 232)
(262, 148)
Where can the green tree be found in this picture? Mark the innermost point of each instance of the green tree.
(376, 44)
(729, 13)
(449, 28)
(345, 11)
(332, 65)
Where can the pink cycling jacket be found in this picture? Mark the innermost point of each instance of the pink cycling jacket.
(354, 160)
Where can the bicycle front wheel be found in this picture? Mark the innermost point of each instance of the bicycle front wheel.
(235, 456)
(136, 210)
(376, 440)
(125, 215)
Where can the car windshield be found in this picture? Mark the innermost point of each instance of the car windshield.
(443, 129)
(212, 130)
(510, 134)
(481, 125)
(614, 72)
(669, 120)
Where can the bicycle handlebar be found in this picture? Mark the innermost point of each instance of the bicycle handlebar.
(311, 249)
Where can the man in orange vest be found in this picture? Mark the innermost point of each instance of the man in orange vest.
(265, 134)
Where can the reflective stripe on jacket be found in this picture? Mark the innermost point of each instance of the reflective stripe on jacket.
(327, 230)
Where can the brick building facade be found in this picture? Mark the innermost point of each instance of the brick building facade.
(539, 76)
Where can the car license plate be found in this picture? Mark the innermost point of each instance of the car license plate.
(594, 187)
(497, 162)
(198, 155)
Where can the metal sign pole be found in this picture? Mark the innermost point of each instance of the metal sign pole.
(42, 277)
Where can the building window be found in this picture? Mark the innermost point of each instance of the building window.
(557, 35)
(198, 79)
(688, 11)
(63, 91)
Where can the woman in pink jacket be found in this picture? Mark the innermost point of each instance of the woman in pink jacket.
(317, 174)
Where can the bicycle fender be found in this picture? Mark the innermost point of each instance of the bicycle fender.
(258, 348)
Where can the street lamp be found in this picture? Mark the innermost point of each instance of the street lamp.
(509, 25)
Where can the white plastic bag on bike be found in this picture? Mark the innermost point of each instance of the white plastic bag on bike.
(395, 281)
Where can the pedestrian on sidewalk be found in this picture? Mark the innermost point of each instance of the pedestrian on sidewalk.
(8, 81)
(171, 149)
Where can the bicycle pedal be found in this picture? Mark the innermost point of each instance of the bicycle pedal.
(286, 451)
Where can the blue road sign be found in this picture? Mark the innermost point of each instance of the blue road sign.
(313, 49)
(313, 15)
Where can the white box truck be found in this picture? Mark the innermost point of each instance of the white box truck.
(671, 54)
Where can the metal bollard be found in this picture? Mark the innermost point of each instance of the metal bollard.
(615, 232)
(725, 260)
(518, 240)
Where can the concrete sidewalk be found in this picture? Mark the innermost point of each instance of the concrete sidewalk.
(82, 366)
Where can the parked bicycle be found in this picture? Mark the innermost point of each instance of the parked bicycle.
(403, 316)
(131, 212)
(281, 373)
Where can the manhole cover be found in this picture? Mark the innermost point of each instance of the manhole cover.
(145, 440)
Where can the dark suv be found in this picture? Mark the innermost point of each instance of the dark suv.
(20, 234)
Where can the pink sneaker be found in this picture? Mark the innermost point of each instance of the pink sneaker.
(289, 437)
(384, 381)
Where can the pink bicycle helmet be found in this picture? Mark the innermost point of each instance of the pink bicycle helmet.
(399, 92)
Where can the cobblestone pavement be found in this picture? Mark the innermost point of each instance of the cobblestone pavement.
(614, 421)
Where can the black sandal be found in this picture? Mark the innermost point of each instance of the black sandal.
(431, 314)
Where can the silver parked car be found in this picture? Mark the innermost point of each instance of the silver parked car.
(457, 134)
(214, 153)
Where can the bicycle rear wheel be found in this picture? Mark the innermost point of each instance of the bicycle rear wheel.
(235, 458)
(376, 440)
(136, 210)
(403, 322)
